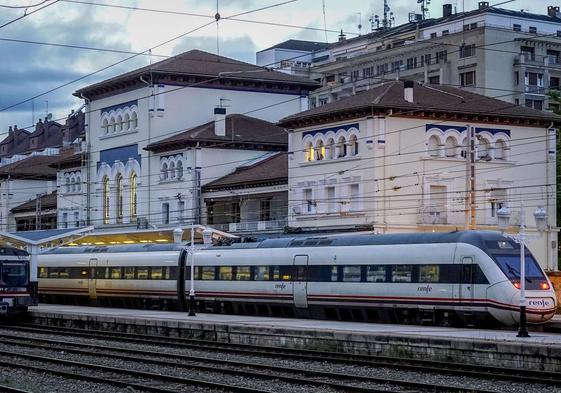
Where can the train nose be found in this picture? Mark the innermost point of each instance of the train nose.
(539, 307)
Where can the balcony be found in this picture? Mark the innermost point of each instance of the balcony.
(534, 89)
(251, 226)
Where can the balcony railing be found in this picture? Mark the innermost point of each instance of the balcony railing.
(250, 226)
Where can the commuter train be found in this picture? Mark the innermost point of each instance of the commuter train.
(457, 278)
(15, 291)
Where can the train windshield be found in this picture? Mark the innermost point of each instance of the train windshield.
(510, 265)
(13, 274)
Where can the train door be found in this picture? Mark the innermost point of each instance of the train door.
(467, 287)
(91, 280)
(300, 279)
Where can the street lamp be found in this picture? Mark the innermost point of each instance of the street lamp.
(540, 215)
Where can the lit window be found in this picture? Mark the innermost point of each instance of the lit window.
(120, 190)
(134, 120)
(133, 196)
(105, 200)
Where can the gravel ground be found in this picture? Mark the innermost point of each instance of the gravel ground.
(169, 349)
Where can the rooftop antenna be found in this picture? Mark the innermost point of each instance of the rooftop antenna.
(324, 21)
(387, 21)
(424, 7)
(217, 18)
(359, 23)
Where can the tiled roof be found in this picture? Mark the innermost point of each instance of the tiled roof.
(199, 63)
(47, 202)
(300, 45)
(247, 132)
(273, 170)
(431, 98)
(31, 168)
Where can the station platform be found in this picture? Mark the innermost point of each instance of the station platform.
(541, 351)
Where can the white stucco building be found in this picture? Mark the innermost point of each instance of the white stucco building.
(131, 179)
(393, 159)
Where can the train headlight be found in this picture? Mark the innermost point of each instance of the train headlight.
(544, 285)
(516, 284)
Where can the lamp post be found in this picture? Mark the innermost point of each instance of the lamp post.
(540, 215)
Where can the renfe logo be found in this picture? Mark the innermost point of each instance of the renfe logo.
(540, 303)
(426, 289)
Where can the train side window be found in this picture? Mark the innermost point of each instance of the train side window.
(351, 273)
(429, 273)
(208, 273)
(173, 272)
(157, 273)
(334, 273)
(261, 273)
(142, 273)
(53, 272)
(225, 273)
(402, 273)
(449, 274)
(243, 273)
(101, 272)
(300, 273)
(275, 273)
(285, 273)
(129, 273)
(479, 276)
(43, 272)
(115, 273)
(376, 273)
(319, 273)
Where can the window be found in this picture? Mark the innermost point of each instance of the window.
(164, 174)
(105, 127)
(553, 56)
(427, 59)
(225, 273)
(437, 203)
(554, 83)
(179, 170)
(533, 79)
(156, 273)
(483, 149)
(342, 147)
(465, 28)
(432, 35)
(142, 272)
(351, 273)
(368, 72)
(106, 196)
(67, 184)
(331, 202)
(127, 122)
(76, 219)
(134, 120)
(354, 197)
(309, 151)
(500, 150)
(441, 56)
(402, 273)
(235, 212)
(353, 144)
(516, 77)
(64, 220)
(113, 125)
(265, 209)
(533, 30)
(180, 210)
(309, 203)
(243, 273)
(334, 274)
(375, 273)
(558, 33)
(450, 147)
(434, 80)
(119, 125)
(129, 273)
(473, 26)
(207, 272)
(171, 170)
(429, 273)
(467, 51)
(516, 27)
(528, 52)
(323, 101)
(467, 78)
(115, 273)
(330, 149)
(535, 104)
(396, 65)
(433, 146)
(165, 213)
(411, 63)
(497, 200)
(445, 32)
(261, 273)
(78, 183)
(120, 192)
(320, 150)
(133, 197)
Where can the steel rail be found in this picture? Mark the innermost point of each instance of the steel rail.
(9, 389)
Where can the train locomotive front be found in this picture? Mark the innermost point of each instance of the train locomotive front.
(15, 294)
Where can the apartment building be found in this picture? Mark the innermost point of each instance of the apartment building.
(510, 55)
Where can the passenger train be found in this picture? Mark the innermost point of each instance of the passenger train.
(15, 291)
(456, 278)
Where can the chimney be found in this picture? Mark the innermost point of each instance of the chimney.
(408, 91)
(220, 121)
(10, 131)
(553, 11)
(446, 10)
(483, 5)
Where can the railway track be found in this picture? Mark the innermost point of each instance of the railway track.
(9, 389)
(498, 373)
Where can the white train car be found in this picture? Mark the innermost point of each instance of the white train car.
(441, 278)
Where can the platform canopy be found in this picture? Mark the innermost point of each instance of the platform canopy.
(44, 238)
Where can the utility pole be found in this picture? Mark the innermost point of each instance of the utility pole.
(38, 212)
(470, 179)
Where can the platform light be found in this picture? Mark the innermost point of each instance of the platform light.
(162, 240)
(114, 243)
(145, 241)
(72, 244)
(86, 244)
(128, 241)
(503, 216)
(99, 243)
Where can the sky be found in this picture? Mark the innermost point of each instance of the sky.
(28, 70)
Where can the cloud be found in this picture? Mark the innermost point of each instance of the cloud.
(239, 48)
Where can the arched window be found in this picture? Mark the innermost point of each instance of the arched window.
(105, 127)
(78, 184)
(113, 125)
(106, 197)
(133, 197)
(73, 184)
(179, 170)
(120, 123)
(483, 149)
(320, 150)
(450, 147)
(128, 121)
(164, 174)
(342, 147)
(500, 150)
(120, 190)
(330, 149)
(353, 143)
(134, 119)
(172, 170)
(309, 152)
(433, 146)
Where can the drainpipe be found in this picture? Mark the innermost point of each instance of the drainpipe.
(149, 140)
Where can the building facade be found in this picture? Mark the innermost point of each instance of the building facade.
(129, 178)
(395, 159)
